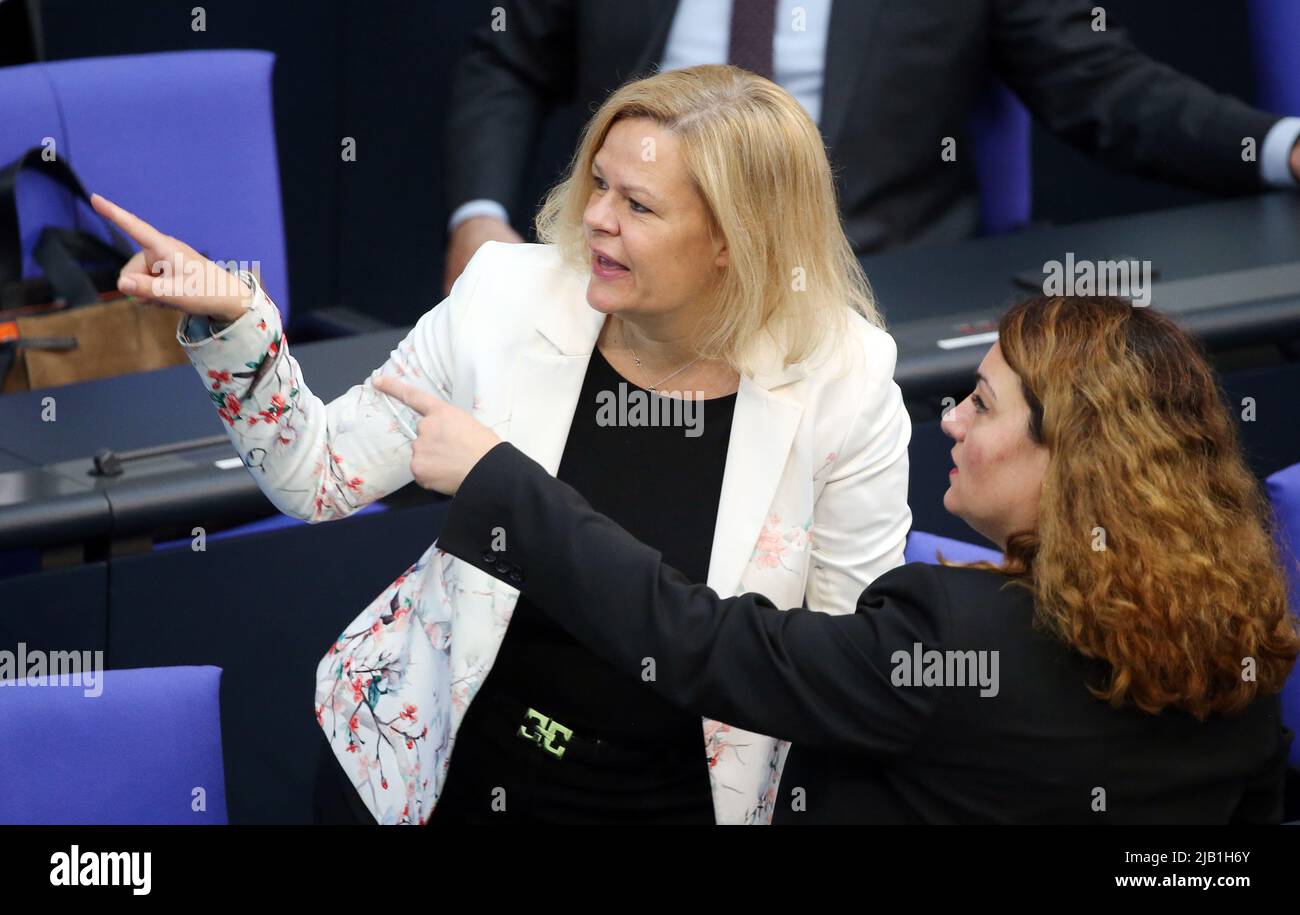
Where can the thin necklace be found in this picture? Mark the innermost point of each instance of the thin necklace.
(637, 359)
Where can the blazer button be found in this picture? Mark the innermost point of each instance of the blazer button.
(489, 557)
(515, 575)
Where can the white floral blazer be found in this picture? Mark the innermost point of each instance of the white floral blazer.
(813, 504)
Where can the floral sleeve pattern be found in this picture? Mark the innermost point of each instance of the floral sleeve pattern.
(314, 461)
(386, 689)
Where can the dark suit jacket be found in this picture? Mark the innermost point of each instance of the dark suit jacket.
(866, 747)
(900, 76)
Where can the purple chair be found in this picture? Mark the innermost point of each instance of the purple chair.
(923, 547)
(210, 177)
(1284, 492)
(1275, 36)
(129, 748)
(1000, 128)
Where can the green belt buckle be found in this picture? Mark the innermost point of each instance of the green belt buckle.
(546, 733)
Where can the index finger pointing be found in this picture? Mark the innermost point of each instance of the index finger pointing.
(140, 231)
(422, 402)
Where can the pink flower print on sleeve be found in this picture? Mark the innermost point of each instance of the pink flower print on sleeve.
(279, 406)
(410, 363)
(775, 542)
(770, 546)
(715, 740)
(229, 407)
(827, 464)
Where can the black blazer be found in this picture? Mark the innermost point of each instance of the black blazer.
(866, 747)
(901, 75)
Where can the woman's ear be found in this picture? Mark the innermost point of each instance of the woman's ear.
(722, 259)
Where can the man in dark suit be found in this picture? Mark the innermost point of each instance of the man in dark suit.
(891, 84)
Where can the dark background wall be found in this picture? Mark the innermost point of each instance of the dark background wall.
(369, 234)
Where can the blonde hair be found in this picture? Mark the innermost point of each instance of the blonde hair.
(757, 160)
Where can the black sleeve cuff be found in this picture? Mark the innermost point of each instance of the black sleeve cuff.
(480, 518)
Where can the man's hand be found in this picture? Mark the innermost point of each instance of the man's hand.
(449, 442)
(467, 237)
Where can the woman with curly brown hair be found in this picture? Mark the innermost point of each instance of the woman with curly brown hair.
(1166, 572)
(1121, 665)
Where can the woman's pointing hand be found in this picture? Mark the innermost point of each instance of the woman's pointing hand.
(168, 272)
(449, 442)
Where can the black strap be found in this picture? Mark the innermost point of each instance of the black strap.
(8, 352)
(61, 254)
(57, 170)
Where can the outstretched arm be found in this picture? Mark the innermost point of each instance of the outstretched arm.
(813, 678)
(312, 460)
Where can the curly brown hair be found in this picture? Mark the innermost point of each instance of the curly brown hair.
(1155, 548)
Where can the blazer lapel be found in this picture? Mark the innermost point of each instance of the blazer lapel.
(762, 434)
(549, 374)
(548, 381)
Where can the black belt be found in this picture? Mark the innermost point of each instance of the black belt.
(561, 742)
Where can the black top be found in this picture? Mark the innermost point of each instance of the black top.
(869, 746)
(662, 482)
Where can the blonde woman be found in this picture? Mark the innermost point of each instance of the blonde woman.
(694, 348)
